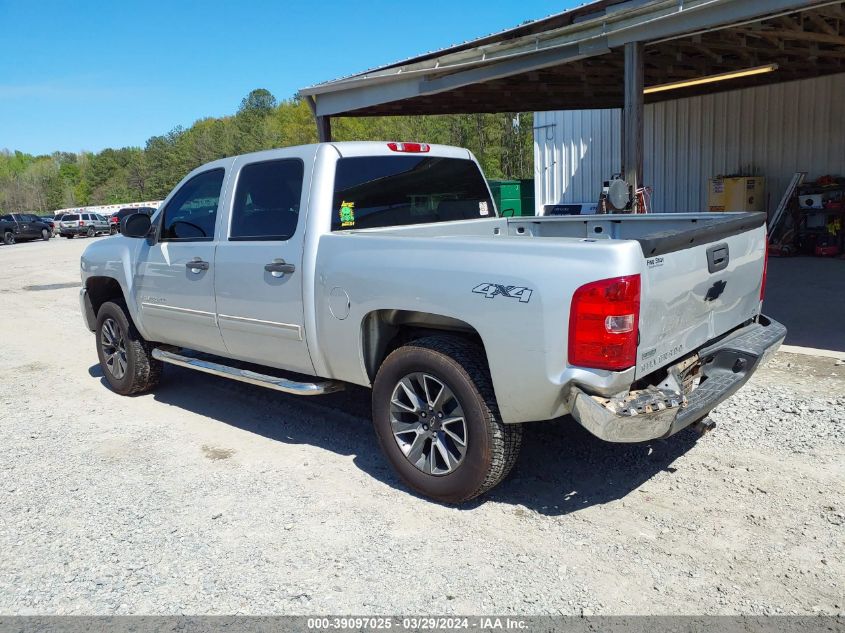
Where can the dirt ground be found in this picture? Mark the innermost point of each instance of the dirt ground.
(214, 497)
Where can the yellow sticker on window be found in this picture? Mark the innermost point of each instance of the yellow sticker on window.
(347, 213)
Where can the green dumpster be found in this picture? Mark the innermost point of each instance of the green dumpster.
(507, 196)
(527, 196)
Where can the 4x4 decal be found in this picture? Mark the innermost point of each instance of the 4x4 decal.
(490, 290)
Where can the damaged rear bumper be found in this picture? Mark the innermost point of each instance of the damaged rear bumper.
(721, 368)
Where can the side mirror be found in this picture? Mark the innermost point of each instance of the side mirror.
(508, 213)
(136, 225)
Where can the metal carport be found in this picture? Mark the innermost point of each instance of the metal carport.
(602, 55)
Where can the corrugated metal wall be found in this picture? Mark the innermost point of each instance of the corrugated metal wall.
(772, 131)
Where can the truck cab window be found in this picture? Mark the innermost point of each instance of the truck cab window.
(378, 191)
(267, 198)
(191, 213)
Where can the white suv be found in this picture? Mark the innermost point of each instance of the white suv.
(88, 224)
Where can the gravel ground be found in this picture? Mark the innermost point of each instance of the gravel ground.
(211, 497)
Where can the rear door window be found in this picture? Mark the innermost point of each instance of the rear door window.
(383, 191)
(267, 200)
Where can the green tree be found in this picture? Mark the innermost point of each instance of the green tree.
(259, 100)
(502, 143)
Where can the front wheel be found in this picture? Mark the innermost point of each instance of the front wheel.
(8, 238)
(437, 421)
(125, 357)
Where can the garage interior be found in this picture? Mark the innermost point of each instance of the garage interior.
(676, 98)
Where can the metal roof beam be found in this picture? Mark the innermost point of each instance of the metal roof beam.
(517, 66)
(358, 97)
(364, 96)
(733, 13)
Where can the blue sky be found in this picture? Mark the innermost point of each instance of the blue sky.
(86, 75)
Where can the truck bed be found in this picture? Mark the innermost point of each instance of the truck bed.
(657, 233)
(701, 276)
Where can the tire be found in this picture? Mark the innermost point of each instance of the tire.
(90, 232)
(45, 234)
(125, 357)
(490, 447)
(8, 238)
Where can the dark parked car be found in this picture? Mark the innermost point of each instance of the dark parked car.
(117, 216)
(23, 226)
(7, 231)
(49, 221)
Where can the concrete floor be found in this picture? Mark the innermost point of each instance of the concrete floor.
(807, 295)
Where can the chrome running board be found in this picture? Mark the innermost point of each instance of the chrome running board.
(251, 377)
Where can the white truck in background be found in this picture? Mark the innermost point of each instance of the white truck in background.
(386, 265)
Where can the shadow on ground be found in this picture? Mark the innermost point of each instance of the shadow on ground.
(805, 294)
(562, 467)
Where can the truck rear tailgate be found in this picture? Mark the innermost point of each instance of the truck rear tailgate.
(696, 293)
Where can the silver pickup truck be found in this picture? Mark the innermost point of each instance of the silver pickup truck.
(387, 265)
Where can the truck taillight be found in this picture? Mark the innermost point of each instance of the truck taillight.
(604, 324)
(765, 271)
(82, 223)
(410, 148)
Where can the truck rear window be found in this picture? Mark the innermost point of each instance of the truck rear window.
(69, 217)
(378, 191)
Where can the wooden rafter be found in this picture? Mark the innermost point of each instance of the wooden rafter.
(822, 24)
(803, 36)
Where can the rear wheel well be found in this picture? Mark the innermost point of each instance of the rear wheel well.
(103, 289)
(383, 331)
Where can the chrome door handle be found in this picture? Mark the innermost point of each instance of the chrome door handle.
(196, 265)
(279, 267)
